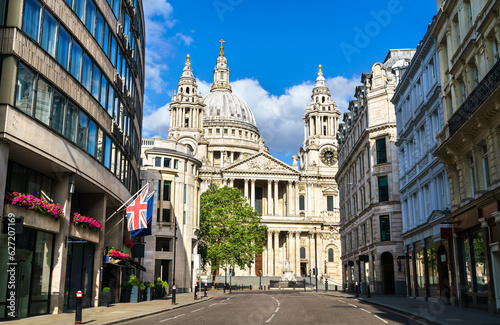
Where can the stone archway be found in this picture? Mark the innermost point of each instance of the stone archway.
(388, 283)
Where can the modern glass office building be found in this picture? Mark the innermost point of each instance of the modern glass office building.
(71, 93)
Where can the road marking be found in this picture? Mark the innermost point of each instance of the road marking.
(353, 305)
(198, 309)
(381, 319)
(365, 310)
(341, 301)
(277, 309)
(278, 303)
(172, 318)
(270, 318)
(213, 305)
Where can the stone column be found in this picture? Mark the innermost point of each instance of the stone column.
(276, 252)
(275, 198)
(289, 252)
(252, 193)
(246, 190)
(222, 158)
(269, 198)
(270, 253)
(231, 182)
(289, 199)
(297, 208)
(61, 196)
(297, 253)
(4, 161)
(232, 157)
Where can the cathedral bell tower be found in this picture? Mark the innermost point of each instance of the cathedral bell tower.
(186, 110)
(221, 72)
(321, 119)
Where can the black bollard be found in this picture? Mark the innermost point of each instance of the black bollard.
(326, 285)
(368, 295)
(78, 313)
(224, 288)
(195, 291)
(174, 289)
(356, 290)
(205, 289)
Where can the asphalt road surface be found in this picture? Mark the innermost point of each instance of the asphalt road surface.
(278, 308)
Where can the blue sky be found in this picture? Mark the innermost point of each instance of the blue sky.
(273, 50)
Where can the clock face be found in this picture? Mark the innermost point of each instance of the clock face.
(328, 156)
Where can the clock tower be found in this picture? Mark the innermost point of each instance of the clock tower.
(321, 120)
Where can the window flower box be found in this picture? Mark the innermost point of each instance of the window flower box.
(34, 219)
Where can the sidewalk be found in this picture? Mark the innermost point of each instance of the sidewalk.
(116, 313)
(430, 312)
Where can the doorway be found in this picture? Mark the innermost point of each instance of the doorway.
(388, 284)
(443, 275)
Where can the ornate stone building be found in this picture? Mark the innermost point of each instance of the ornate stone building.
(221, 131)
(370, 217)
(468, 38)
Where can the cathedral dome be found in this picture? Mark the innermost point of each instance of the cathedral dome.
(224, 105)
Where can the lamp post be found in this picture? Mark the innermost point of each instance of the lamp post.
(174, 289)
(316, 258)
(260, 279)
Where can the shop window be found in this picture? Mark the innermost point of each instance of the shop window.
(385, 228)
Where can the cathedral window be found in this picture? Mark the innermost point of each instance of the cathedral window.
(330, 255)
(302, 252)
(302, 202)
(187, 90)
(323, 99)
(329, 203)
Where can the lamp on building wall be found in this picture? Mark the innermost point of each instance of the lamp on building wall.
(71, 189)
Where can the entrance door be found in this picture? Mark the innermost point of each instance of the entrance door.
(444, 282)
(303, 269)
(388, 284)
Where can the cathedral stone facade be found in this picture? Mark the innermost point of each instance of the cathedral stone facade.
(298, 205)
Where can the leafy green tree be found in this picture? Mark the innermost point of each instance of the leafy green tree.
(230, 229)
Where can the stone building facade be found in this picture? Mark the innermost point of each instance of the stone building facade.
(71, 98)
(370, 211)
(220, 130)
(468, 37)
(423, 184)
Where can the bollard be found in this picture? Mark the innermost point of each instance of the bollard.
(326, 285)
(78, 313)
(224, 288)
(368, 295)
(356, 290)
(205, 289)
(195, 290)
(174, 289)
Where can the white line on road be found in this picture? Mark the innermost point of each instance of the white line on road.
(365, 310)
(213, 304)
(381, 319)
(353, 305)
(277, 309)
(270, 318)
(198, 309)
(341, 301)
(172, 318)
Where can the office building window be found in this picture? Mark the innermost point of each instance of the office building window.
(71, 118)
(176, 164)
(381, 151)
(92, 138)
(58, 103)
(31, 21)
(157, 161)
(96, 78)
(63, 47)
(91, 11)
(166, 162)
(86, 71)
(185, 192)
(486, 167)
(82, 131)
(385, 228)
(383, 189)
(49, 32)
(184, 217)
(166, 190)
(42, 107)
(76, 60)
(24, 89)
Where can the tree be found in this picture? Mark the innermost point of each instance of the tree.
(230, 230)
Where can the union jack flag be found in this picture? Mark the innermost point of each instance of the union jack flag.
(137, 212)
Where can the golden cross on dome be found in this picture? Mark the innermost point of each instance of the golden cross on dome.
(222, 41)
(320, 73)
(187, 60)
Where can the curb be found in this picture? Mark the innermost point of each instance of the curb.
(126, 319)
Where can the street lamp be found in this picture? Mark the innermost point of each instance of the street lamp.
(260, 279)
(316, 258)
(174, 289)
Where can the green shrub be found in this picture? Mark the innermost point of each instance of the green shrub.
(106, 289)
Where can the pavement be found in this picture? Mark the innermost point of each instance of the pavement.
(417, 310)
(423, 311)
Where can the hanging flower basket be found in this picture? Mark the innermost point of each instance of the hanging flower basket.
(86, 222)
(128, 242)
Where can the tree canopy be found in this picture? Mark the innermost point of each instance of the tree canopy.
(230, 229)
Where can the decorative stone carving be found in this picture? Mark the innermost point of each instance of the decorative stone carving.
(261, 164)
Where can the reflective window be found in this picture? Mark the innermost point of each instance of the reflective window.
(100, 145)
(116, 8)
(24, 89)
(82, 131)
(42, 107)
(80, 9)
(86, 71)
(71, 117)
(113, 156)
(49, 32)
(99, 26)
(383, 189)
(104, 85)
(112, 56)
(63, 48)
(105, 44)
(57, 122)
(90, 16)
(31, 21)
(111, 95)
(385, 228)
(69, 2)
(96, 77)
(76, 60)
(107, 152)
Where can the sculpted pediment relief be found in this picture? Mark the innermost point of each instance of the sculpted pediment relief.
(261, 162)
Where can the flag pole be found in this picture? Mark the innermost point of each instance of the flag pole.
(124, 204)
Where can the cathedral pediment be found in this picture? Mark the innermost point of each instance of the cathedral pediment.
(330, 191)
(261, 163)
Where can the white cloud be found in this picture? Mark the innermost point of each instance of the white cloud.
(187, 40)
(279, 118)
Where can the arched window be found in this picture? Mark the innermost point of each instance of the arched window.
(323, 99)
(181, 90)
(330, 255)
(187, 90)
(302, 252)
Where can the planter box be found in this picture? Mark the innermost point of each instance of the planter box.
(76, 231)
(147, 295)
(135, 294)
(34, 219)
(105, 298)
